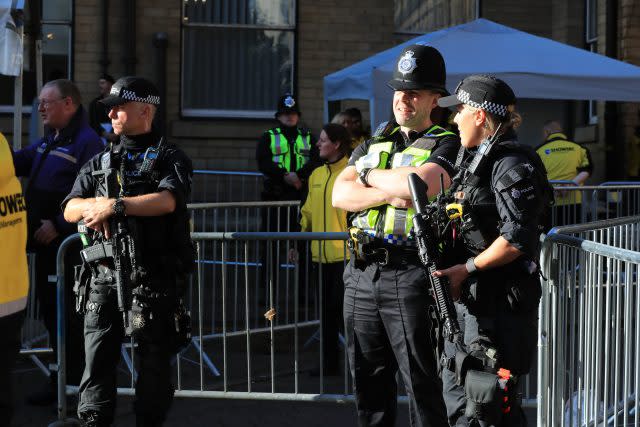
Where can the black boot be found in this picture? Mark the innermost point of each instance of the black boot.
(93, 419)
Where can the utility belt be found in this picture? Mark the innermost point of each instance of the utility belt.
(367, 250)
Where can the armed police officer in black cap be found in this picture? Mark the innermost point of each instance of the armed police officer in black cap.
(502, 191)
(137, 258)
(386, 301)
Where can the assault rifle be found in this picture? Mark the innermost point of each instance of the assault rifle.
(428, 223)
(120, 248)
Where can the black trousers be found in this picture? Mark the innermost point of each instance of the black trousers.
(514, 335)
(388, 329)
(332, 319)
(10, 327)
(45, 258)
(104, 333)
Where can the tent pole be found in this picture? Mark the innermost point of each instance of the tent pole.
(17, 101)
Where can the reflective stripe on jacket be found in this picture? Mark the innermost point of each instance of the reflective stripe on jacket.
(319, 215)
(280, 149)
(14, 279)
(393, 225)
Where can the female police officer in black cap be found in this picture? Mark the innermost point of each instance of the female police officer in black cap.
(493, 277)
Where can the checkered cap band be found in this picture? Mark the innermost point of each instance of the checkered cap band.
(130, 95)
(489, 107)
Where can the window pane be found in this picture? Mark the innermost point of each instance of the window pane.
(236, 69)
(55, 64)
(59, 10)
(243, 12)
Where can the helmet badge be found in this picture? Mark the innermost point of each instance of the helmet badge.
(407, 63)
(289, 101)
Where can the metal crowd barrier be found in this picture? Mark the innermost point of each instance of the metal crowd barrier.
(575, 205)
(589, 327)
(245, 216)
(256, 325)
(226, 186)
(256, 320)
(580, 204)
(34, 335)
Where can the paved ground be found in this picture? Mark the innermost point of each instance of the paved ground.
(205, 412)
(226, 412)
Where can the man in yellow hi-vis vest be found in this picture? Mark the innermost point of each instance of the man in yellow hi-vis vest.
(14, 279)
(386, 300)
(568, 162)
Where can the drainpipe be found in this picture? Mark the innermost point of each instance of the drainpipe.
(614, 144)
(104, 57)
(129, 37)
(160, 43)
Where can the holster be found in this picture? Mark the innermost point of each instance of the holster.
(81, 288)
(485, 396)
(357, 239)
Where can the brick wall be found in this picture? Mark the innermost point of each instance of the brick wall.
(331, 35)
(531, 17)
(629, 51)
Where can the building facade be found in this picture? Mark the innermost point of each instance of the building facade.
(222, 64)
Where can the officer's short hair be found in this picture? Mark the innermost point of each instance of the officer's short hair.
(67, 89)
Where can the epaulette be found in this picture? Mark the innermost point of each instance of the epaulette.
(380, 129)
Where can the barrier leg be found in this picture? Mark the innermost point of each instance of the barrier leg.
(61, 317)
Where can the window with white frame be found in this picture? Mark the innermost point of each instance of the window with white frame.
(591, 40)
(238, 56)
(56, 52)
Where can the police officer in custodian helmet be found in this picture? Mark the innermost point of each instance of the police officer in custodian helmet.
(503, 190)
(386, 297)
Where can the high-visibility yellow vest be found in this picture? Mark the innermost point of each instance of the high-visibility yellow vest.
(14, 279)
(280, 149)
(386, 222)
(563, 159)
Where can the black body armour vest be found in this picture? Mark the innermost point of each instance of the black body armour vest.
(481, 220)
(163, 243)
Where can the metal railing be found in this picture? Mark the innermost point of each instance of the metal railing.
(245, 216)
(226, 186)
(589, 327)
(241, 275)
(257, 320)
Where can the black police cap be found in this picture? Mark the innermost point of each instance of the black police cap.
(132, 88)
(419, 67)
(487, 93)
(287, 104)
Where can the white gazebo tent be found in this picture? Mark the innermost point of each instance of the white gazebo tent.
(535, 67)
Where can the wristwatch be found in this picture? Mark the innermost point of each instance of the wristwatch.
(363, 176)
(471, 266)
(118, 207)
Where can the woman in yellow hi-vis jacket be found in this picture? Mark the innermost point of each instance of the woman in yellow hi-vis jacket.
(318, 215)
(14, 280)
